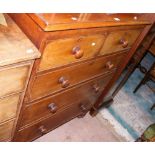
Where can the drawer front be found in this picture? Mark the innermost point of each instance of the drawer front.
(32, 132)
(13, 79)
(65, 51)
(57, 80)
(6, 130)
(87, 92)
(119, 40)
(8, 107)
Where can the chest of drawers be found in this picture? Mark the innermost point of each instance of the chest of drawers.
(81, 56)
(17, 55)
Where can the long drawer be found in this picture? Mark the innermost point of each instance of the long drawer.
(8, 107)
(32, 132)
(64, 78)
(87, 92)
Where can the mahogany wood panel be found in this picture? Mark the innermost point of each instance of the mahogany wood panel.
(8, 107)
(12, 79)
(60, 79)
(65, 51)
(6, 131)
(120, 40)
(53, 104)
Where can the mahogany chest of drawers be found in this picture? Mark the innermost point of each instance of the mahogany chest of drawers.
(82, 55)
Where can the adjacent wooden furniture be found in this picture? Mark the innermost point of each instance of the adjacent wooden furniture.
(82, 57)
(17, 55)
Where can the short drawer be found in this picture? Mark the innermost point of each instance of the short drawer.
(64, 78)
(120, 40)
(65, 51)
(12, 79)
(8, 107)
(87, 92)
(32, 132)
(6, 130)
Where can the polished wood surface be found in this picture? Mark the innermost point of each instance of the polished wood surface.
(120, 40)
(15, 46)
(53, 104)
(48, 83)
(12, 79)
(6, 131)
(63, 21)
(8, 107)
(75, 48)
(65, 51)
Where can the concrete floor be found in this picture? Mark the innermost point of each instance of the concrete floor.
(87, 129)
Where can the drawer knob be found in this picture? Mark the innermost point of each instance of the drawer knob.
(109, 65)
(42, 129)
(64, 82)
(124, 43)
(77, 52)
(96, 88)
(52, 107)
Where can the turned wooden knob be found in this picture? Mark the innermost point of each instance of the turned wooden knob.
(109, 65)
(96, 88)
(42, 129)
(64, 82)
(124, 43)
(83, 108)
(77, 52)
(52, 107)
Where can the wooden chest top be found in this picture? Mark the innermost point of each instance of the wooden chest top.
(14, 45)
(64, 21)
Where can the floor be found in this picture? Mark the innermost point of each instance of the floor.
(87, 129)
(133, 112)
